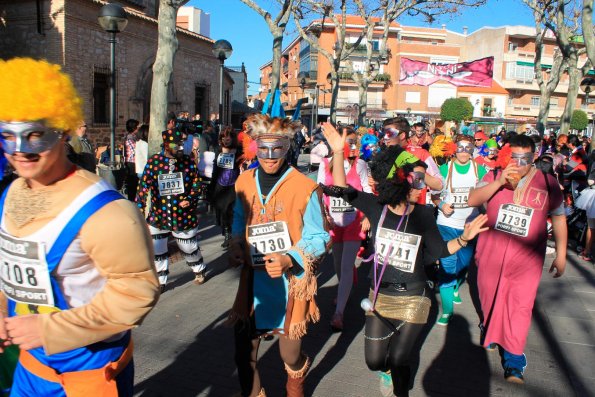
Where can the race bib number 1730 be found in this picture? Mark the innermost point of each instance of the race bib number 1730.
(268, 238)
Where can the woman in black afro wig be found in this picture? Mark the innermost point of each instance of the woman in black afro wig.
(406, 239)
(395, 189)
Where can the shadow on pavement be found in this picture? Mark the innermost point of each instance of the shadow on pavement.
(200, 366)
(461, 365)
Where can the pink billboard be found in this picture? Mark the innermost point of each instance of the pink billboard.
(476, 73)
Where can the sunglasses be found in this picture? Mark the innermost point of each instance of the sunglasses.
(478, 139)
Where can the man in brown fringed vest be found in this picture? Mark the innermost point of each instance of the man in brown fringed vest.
(279, 236)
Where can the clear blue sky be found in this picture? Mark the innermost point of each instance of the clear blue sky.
(252, 43)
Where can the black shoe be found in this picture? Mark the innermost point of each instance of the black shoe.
(162, 288)
(514, 375)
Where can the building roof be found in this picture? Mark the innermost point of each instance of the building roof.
(141, 15)
(494, 89)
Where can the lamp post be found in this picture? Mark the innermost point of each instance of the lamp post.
(113, 20)
(586, 85)
(222, 50)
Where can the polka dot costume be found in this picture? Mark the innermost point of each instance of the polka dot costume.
(165, 212)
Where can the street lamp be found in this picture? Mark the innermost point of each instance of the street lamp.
(113, 20)
(222, 50)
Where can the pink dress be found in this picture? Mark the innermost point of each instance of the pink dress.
(510, 265)
(348, 225)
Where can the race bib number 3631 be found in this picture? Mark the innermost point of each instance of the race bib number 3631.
(171, 184)
(397, 248)
(268, 238)
(24, 275)
(514, 219)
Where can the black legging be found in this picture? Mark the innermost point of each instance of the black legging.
(391, 353)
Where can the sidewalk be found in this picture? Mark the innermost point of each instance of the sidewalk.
(183, 348)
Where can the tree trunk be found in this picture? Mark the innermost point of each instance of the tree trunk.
(334, 95)
(573, 87)
(167, 46)
(587, 24)
(544, 110)
(276, 72)
(363, 101)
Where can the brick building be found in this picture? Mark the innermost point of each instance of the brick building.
(513, 98)
(66, 32)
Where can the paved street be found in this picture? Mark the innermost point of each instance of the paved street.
(184, 349)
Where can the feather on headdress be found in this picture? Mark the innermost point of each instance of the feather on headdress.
(442, 146)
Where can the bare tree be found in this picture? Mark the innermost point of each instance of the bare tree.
(547, 87)
(277, 27)
(588, 29)
(565, 26)
(334, 12)
(379, 15)
(167, 46)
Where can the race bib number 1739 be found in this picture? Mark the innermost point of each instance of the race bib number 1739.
(514, 219)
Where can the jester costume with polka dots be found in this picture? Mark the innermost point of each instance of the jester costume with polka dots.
(171, 182)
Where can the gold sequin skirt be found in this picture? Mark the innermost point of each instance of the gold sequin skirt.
(412, 309)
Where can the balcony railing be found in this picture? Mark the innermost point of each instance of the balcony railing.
(380, 77)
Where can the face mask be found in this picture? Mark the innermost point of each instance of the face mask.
(352, 144)
(390, 133)
(465, 148)
(28, 137)
(272, 149)
(522, 159)
(416, 180)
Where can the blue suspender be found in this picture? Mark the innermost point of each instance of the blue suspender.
(67, 236)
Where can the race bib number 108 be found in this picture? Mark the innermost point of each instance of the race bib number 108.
(24, 275)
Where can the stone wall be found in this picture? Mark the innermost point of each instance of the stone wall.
(72, 37)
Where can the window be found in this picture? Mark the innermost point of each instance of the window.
(101, 84)
(512, 47)
(535, 100)
(524, 73)
(412, 97)
(553, 102)
(510, 101)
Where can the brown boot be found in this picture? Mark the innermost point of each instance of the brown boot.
(295, 380)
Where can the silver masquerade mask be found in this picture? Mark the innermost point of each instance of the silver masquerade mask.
(522, 159)
(465, 147)
(275, 147)
(28, 137)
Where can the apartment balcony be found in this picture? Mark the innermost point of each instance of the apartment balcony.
(522, 56)
(380, 77)
(361, 50)
(285, 68)
(284, 87)
(530, 84)
(532, 111)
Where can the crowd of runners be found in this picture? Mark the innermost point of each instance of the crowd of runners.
(416, 208)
